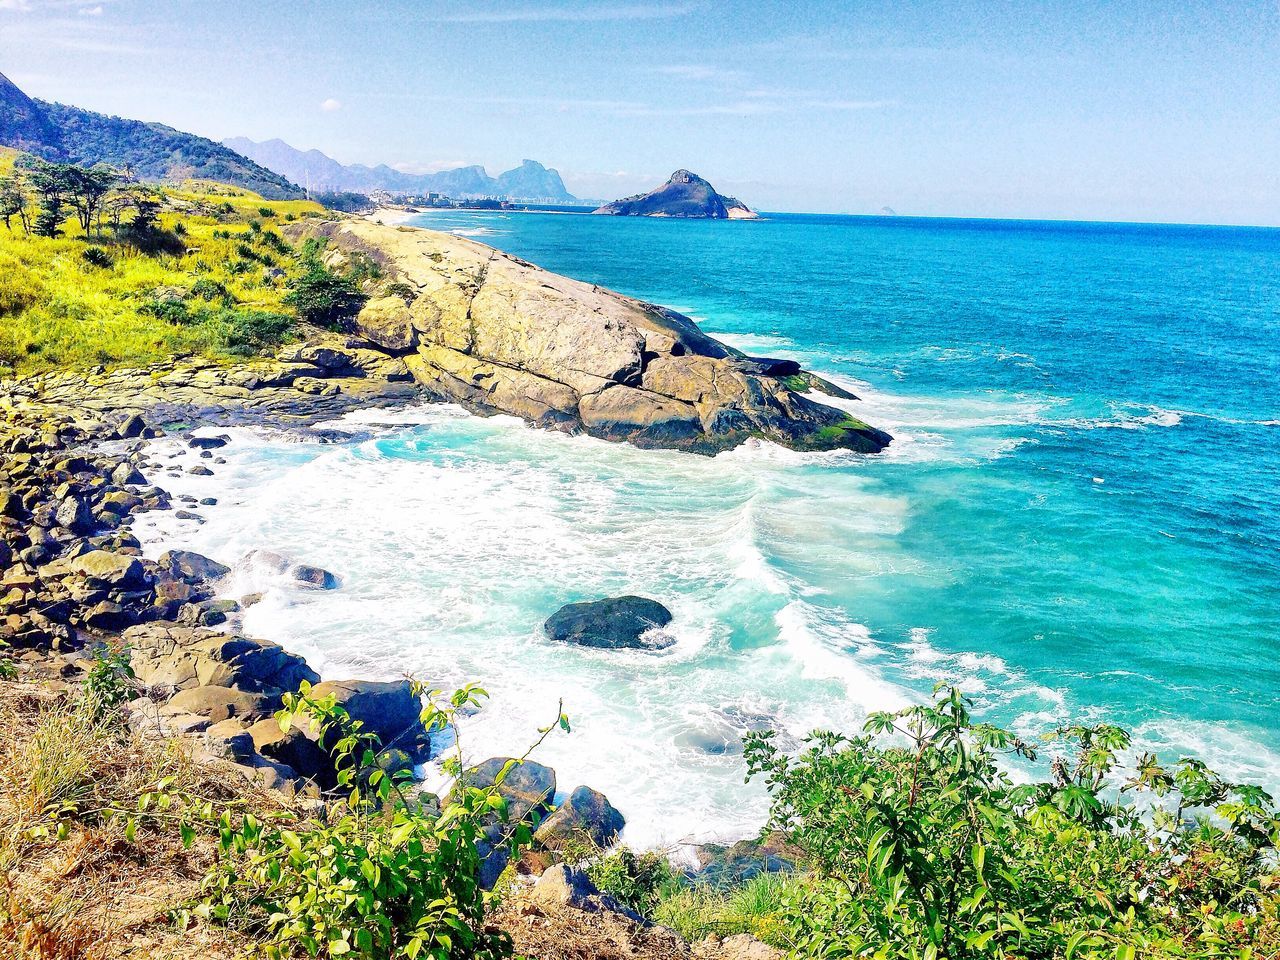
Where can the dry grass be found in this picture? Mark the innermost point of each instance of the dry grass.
(96, 894)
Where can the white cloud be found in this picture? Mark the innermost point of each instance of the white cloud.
(575, 14)
(17, 5)
(91, 11)
(330, 105)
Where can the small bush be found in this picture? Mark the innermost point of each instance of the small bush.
(252, 330)
(290, 217)
(637, 880)
(170, 310)
(97, 257)
(322, 297)
(266, 212)
(209, 289)
(180, 229)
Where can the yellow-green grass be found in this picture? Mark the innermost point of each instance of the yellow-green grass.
(59, 310)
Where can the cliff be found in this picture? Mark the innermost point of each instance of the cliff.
(499, 335)
(684, 195)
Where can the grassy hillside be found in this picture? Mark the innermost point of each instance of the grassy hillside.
(212, 277)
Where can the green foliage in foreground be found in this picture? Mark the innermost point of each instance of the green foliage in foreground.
(922, 846)
(384, 875)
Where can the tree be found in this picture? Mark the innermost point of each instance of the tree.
(88, 189)
(13, 202)
(52, 184)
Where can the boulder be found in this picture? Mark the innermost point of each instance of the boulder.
(388, 710)
(223, 703)
(169, 654)
(276, 563)
(192, 567)
(294, 749)
(387, 322)
(562, 887)
(726, 866)
(614, 623)
(208, 443)
(585, 818)
(116, 570)
(528, 787)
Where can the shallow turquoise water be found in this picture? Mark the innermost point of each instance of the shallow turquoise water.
(1080, 516)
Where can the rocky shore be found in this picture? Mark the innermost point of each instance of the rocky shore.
(474, 327)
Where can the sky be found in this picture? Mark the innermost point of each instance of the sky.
(1149, 111)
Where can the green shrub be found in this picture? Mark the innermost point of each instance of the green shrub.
(323, 297)
(170, 310)
(266, 212)
(923, 846)
(108, 682)
(97, 257)
(382, 876)
(251, 330)
(208, 289)
(637, 880)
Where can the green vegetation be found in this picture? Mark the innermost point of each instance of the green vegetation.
(697, 911)
(382, 872)
(385, 874)
(99, 269)
(920, 844)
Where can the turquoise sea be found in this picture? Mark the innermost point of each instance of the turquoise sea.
(1079, 517)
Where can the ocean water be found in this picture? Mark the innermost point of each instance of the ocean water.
(1079, 517)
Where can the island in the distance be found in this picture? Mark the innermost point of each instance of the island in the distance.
(684, 195)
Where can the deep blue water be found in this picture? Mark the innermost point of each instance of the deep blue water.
(1145, 356)
(1079, 517)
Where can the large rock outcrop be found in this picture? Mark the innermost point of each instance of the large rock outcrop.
(685, 195)
(498, 335)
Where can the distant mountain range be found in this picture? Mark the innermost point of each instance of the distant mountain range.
(530, 181)
(151, 151)
(685, 195)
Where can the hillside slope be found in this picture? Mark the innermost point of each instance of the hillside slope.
(150, 151)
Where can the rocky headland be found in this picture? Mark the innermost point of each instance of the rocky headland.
(685, 195)
(498, 335)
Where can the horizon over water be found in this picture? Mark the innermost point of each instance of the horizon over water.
(1079, 517)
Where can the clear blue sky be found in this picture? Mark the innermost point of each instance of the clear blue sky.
(1082, 110)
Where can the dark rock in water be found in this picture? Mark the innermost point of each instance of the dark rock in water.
(304, 573)
(132, 427)
(768, 366)
(208, 443)
(611, 624)
(192, 567)
(587, 815)
(388, 710)
(200, 471)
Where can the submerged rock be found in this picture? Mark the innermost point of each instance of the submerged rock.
(278, 564)
(611, 624)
